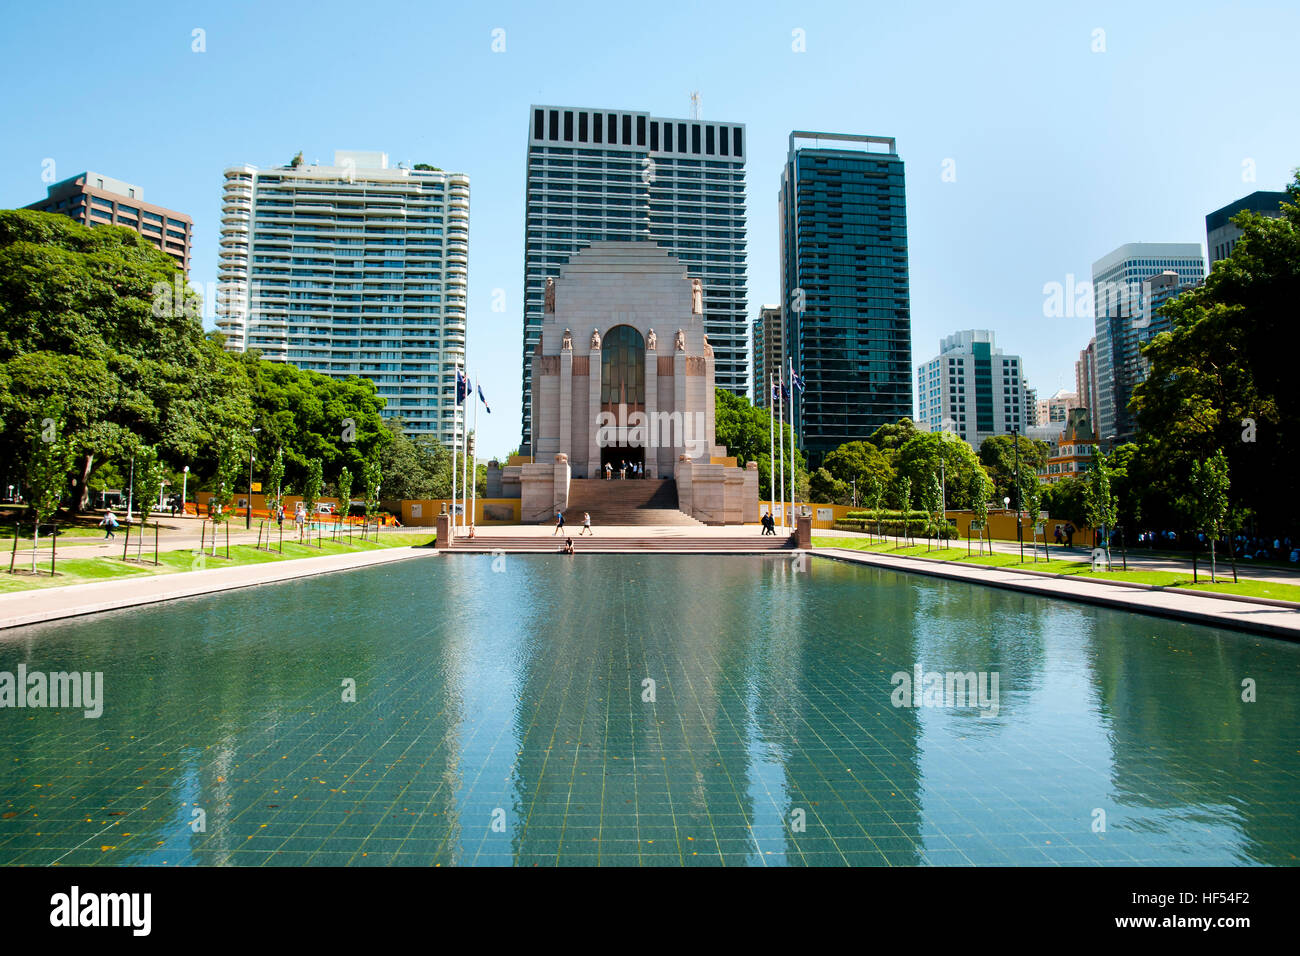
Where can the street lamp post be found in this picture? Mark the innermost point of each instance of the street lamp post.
(1020, 534)
(248, 512)
(185, 480)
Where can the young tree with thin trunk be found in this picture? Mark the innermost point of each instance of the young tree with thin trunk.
(904, 487)
(345, 495)
(149, 474)
(980, 486)
(47, 471)
(311, 490)
(371, 476)
(1100, 504)
(1206, 502)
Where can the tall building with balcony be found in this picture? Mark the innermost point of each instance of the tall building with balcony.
(622, 175)
(972, 389)
(768, 354)
(1123, 318)
(845, 303)
(96, 200)
(357, 268)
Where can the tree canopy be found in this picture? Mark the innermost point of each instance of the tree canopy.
(1220, 377)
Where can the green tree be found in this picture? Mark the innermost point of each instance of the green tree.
(874, 496)
(1099, 500)
(939, 453)
(345, 491)
(890, 438)
(274, 482)
(1206, 502)
(371, 476)
(858, 461)
(823, 487)
(48, 461)
(311, 487)
(1065, 499)
(149, 474)
(106, 322)
(229, 459)
(978, 489)
(1031, 499)
(903, 491)
(1219, 380)
(998, 455)
(746, 433)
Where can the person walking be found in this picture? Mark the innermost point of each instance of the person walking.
(559, 523)
(109, 524)
(586, 525)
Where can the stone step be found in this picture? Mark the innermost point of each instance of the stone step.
(549, 544)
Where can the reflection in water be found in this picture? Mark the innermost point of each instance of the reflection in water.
(655, 710)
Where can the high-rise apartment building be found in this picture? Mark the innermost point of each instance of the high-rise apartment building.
(352, 269)
(972, 389)
(596, 174)
(96, 200)
(1121, 314)
(1085, 378)
(1220, 232)
(768, 353)
(845, 297)
(1056, 409)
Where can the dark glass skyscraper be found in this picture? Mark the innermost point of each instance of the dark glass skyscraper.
(845, 301)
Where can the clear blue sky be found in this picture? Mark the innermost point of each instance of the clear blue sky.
(1060, 153)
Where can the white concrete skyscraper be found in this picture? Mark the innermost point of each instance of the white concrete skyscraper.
(628, 176)
(352, 269)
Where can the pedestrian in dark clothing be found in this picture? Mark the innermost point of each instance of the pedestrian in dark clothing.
(559, 523)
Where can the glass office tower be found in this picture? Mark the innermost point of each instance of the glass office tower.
(845, 299)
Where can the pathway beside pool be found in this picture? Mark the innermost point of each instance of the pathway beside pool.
(1274, 618)
(51, 604)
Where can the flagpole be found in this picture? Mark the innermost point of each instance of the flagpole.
(455, 448)
(792, 434)
(473, 472)
(771, 450)
(780, 410)
(464, 458)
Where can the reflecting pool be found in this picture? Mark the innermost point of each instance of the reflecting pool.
(655, 710)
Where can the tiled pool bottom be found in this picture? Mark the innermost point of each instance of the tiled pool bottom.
(502, 718)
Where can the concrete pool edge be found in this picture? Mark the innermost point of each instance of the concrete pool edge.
(1268, 619)
(22, 608)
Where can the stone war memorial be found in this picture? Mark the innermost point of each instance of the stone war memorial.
(623, 392)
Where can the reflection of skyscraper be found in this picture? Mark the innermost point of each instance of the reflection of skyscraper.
(845, 302)
(626, 175)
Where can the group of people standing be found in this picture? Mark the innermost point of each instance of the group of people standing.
(635, 468)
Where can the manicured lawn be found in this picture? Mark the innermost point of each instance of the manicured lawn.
(1166, 579)
(86, 570)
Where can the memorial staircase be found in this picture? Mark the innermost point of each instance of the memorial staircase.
(625, 502)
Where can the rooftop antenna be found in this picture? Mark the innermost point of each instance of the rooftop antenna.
(695, 104)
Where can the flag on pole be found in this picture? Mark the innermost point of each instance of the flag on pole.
(486, 407)
(776, 392)
(462, 387)
(795, 378)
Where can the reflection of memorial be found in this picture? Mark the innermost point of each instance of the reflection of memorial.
(605, 394)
